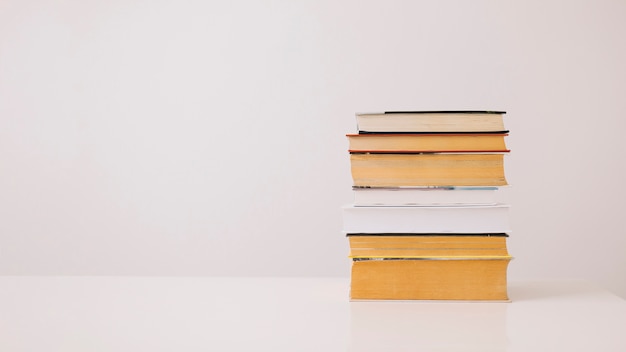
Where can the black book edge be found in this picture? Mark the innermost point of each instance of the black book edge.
(404, 152)
(429, 188)
(447, 112)
(436, 132)
(498, 234)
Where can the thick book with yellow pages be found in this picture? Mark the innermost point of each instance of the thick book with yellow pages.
(428, 246)
(472, 279)
(427, 169)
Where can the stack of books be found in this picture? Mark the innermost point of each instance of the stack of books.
(425, 223)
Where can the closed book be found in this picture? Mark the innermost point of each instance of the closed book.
(424, 196)
(428, 169)
(459, 219)
(428, 246)
(446, 279)
(426, 142)
(431, 122)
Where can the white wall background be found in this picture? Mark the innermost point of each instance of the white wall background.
(207, 137)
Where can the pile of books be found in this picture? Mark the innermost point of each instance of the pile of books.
(425, 223)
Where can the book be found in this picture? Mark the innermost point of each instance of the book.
(424, 196)
(432, 169)
(431, 121)
(430, 279)
(428, 246)
(427, 142)
(457, 219)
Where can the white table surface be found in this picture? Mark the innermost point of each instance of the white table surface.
(295, 314)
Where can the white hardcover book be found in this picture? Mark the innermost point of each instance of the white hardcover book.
(432, 196)
(459, 219)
